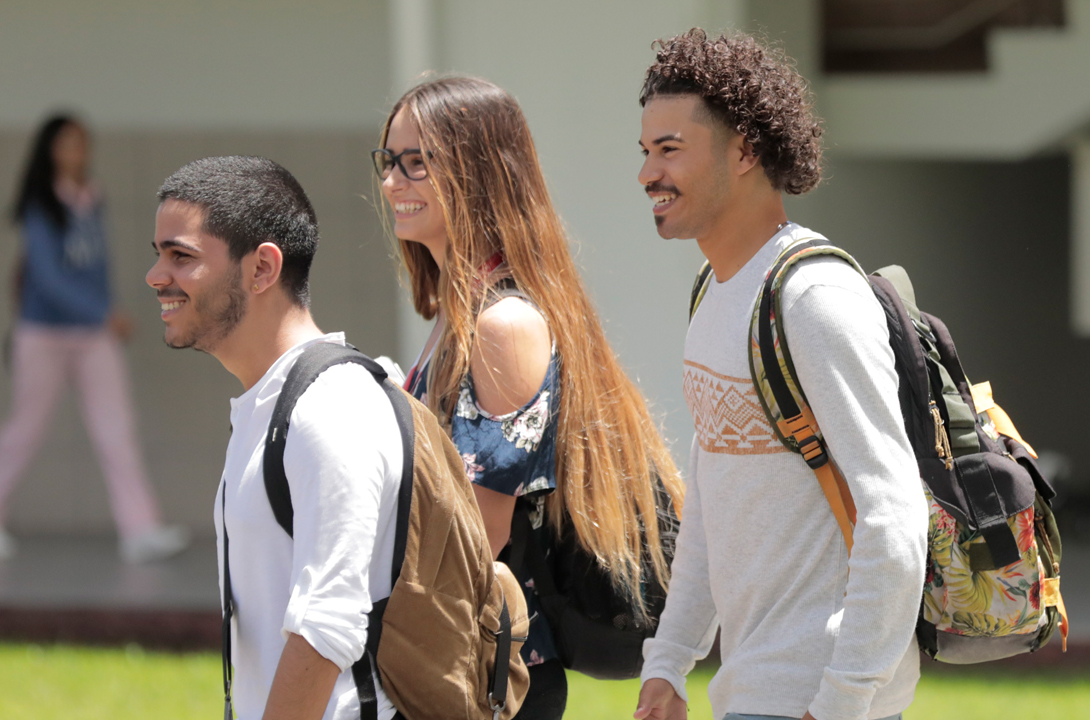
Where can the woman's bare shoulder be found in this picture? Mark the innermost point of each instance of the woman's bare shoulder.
(510, 357)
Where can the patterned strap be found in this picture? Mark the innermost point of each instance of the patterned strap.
(771, 368)
(700, 288)
(773, 375)
(778, 390)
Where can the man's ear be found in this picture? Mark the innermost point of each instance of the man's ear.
(744, 153)
(268, 261)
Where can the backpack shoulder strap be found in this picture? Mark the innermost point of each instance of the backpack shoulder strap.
(315, 360)
(364, 669)
(771, 367)
(404, 414)
(700, 288)
(778, 390)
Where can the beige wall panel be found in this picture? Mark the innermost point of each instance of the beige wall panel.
(198, 63)
(986, 246)
(13, 153)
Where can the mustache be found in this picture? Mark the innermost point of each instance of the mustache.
(657, 187)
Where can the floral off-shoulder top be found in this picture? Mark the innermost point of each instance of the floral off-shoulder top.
(513, 454)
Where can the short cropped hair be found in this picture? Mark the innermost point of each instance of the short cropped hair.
(248, 201)
(754, 90)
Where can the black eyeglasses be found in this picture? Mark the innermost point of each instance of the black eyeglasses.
(410, 161)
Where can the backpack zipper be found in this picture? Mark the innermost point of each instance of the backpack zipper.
(1042, 532)
(942, 440)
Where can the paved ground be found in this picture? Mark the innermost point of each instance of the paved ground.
(87, 573)
(77, 588)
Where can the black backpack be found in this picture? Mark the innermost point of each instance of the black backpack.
(595, 625)
(992, 584)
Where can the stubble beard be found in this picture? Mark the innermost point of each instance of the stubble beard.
(214, 324)
(676, 229)
(705, 205)
(660, 220)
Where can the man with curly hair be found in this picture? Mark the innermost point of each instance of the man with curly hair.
(728, 127)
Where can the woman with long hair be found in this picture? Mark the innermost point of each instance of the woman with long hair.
(67, 328)
(517, 365)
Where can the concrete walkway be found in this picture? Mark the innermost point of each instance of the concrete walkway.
(69, 573)
(79, 590)
(53, 586)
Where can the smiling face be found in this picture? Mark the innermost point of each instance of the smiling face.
(686, 171)
(198, 284)
(415, 204)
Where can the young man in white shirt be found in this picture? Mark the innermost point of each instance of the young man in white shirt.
(727, 129)
(235, 237)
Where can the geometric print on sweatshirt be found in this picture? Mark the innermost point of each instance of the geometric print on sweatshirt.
(727, 414)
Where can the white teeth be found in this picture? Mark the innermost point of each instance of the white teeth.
(172, 305)
(408, 207)
(663, 199)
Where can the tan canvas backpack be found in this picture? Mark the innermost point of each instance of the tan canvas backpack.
(446, 642)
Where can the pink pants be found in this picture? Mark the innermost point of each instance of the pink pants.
(44, 358)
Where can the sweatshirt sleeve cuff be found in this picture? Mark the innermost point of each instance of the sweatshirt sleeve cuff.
(841, 700)
(669, 662)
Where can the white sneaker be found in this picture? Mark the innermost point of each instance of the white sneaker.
(158, 543)
(7, 545)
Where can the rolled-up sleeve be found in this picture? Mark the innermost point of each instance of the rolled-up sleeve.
(342, 449)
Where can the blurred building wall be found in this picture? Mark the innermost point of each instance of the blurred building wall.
(181, 396)
(986, 246)
(970, 181)
(163, 84)
(309, 84)
(242, 64)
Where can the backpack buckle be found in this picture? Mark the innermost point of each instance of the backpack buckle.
(497, 708)
(802, 429)
(813, 452)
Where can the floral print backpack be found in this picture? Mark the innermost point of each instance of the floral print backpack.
(992, 585)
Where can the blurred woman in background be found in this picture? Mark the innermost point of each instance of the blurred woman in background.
(68, 328)
(517, 365)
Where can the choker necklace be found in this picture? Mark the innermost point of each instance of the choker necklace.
(487, 268)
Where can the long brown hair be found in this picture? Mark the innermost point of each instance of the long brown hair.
(483, 165)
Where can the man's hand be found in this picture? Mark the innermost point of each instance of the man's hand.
(659, 701)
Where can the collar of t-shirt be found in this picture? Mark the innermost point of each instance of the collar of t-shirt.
(268, 387)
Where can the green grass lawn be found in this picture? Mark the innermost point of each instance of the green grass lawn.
(74, 683)
(957, 695)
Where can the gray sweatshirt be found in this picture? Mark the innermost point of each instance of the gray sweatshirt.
(760, 556)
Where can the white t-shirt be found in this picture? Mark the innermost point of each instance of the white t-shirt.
(759, 554)
(343, 459)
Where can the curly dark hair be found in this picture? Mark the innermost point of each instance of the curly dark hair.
(754, 90)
